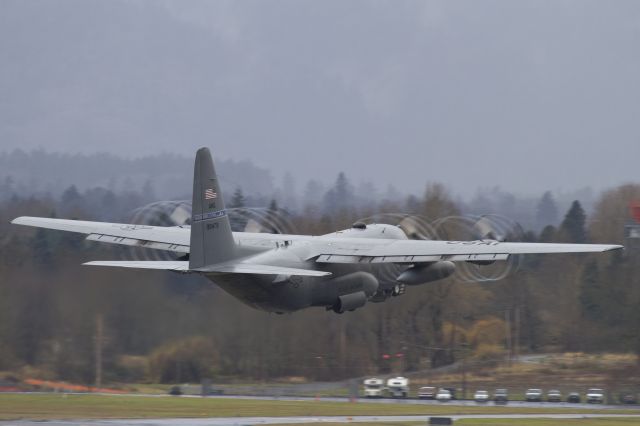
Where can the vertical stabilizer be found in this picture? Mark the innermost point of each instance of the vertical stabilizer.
(211, 238)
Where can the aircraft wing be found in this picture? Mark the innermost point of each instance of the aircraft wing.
(417, 251)
(173, 238)
(323, 249)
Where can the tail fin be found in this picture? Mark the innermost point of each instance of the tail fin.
(211, 238)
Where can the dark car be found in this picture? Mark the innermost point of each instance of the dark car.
(453, 392)
(573, 397)
(500, 396)
(628, 398)
(175, 391)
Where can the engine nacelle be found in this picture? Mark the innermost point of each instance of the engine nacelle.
(355, 282)
(349, 302)
(353, 290)
(424, 273)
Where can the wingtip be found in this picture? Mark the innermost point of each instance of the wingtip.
(615, 248)
(18, 220)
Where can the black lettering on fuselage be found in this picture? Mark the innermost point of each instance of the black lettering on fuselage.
(211, 226)
(476, 242)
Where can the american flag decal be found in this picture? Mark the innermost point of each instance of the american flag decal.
(209, 194)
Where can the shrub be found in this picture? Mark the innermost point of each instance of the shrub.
(188, 360)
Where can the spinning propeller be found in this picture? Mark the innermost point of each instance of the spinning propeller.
(457, 228)
(178, 213)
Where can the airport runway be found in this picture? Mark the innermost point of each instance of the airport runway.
(237, 421)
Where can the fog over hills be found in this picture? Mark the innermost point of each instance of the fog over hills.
(527, 96)
(40, 174)
(167, 176)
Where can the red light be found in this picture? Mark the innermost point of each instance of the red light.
(386, 356)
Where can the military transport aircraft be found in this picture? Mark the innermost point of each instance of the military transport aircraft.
(284, 273)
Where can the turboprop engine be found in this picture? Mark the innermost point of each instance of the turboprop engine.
(424, 273)
(353, 291)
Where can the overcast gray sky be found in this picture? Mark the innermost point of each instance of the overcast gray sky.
(526, 95)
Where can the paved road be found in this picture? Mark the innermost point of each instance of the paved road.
(237, 421)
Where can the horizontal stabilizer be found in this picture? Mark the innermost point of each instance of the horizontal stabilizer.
(150, 264)
(250, 268)
(237, 268)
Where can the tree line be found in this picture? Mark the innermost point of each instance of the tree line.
(163, 327)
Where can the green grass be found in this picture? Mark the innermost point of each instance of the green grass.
(503, 422)
(549, 422)
(63, 406)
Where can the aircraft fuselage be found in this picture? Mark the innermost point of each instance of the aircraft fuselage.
(291, 293)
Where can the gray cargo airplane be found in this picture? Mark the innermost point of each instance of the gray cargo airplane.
(281, 273)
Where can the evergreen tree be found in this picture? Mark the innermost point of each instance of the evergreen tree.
(237, 199)
(547, 235)
(547, 211)
(573, 224)
(312, 194)
(339, 198)
(70, 195)
(412, 204)
(438, 202)
(289, 197)
(343, 192)
(42, 248)
(591, 292)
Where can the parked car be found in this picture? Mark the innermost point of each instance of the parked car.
(398, 387)
(443, 395)
(373, 387)
(481, 396)
(427, 392)
(573, 397)
(452, 391)
(595, 396)
(533, 395)
(628, 398)
(175, 391)
(554, 395)
(500, 396)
